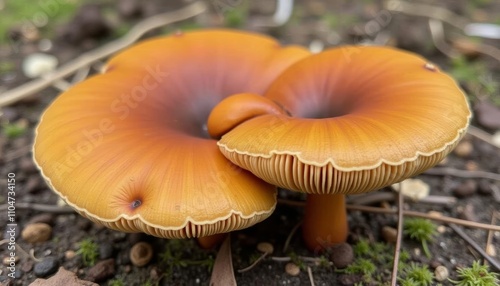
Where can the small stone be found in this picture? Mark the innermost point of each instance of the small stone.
(441, 273)
(141, 253)
(102, 270)
(105, 250)
(36, 232)
(490, 249)
(292, 269)
(265, 247)
(69, 254)
(341, 255)
(46, 267)
(9, 259)
(434, 263)
(496, 139)
(466, 189)
(464, 149)
(414, 189)
(471, 166)
(389, 234)
(63, 277)
(38, 64)
(27, 266)
(441, 229)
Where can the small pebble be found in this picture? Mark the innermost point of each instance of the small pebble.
(471, 166)
(8, 259)
(441, 273)
(265, 247)
(69, 254)
(414, 189)
(102, 270)
(491, 250)
(466, 189)
(46, 267)
(341, 255)
(292, 269)
(389, 234)
(38, 64)
(36, 232)
(141, 253)
(441, 229)
(464, 149)
(496, 139)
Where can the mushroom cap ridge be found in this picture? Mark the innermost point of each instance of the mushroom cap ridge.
(361, 118)
(128, 149)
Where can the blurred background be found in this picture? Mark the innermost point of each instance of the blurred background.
(43, 37)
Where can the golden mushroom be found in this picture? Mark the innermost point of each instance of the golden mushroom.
(129, 149)
(353, 120)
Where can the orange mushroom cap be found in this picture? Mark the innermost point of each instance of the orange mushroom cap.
(129, 149)
(361, 118)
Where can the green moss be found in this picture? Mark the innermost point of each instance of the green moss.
(421, 230)
(89, 251)
(13, 130)
(477, 275)
(417, 275)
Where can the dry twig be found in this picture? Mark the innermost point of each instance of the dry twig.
(397, 248)
(445, 171)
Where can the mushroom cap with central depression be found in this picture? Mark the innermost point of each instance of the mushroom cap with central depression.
(355, 119)
(129, 148)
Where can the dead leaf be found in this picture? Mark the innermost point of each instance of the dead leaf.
(63, 277)
(223, 272)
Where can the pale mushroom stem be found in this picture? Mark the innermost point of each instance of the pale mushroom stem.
(211, 241)
(325, 221)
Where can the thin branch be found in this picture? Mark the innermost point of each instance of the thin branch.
(397, 248)
(476, 247)
(88, 58)
(444, 171)
(444, 219)
(377, 197)
(481, 135)
(290, 235)
(40, 207)
(310, 274)
(428, 11)
(251, 266)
